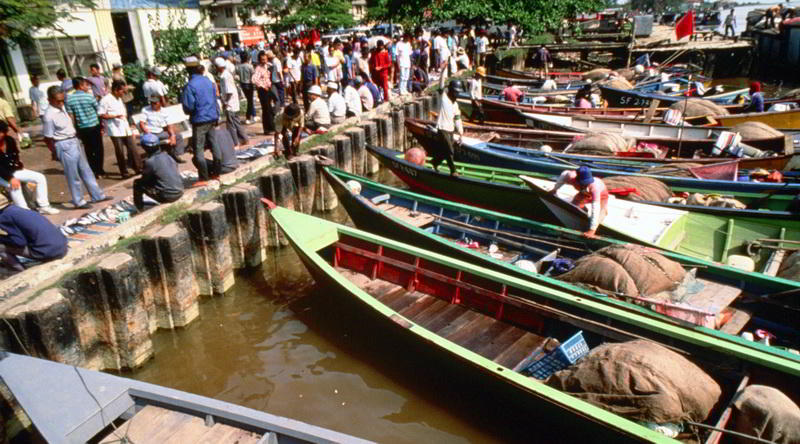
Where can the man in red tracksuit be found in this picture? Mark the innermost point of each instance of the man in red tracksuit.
(383, 66)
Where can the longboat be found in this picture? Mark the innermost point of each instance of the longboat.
(718, 306)
(69, 404)
(703, 235)
(495, 325)
(622, 98)
(789, 119)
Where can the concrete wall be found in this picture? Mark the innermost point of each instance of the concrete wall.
(99, 306)
(145, 21)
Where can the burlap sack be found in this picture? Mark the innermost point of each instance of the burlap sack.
(694, 107)
(618, 83)
(756, 130)
(790, 267)
(766, 413)
(630, 269)
(675, 169)
(626, 73)
(640, 380)
(601, 144)
(596, 74)
(649, 189)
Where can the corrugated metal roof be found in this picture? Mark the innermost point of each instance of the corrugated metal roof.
(137, 4)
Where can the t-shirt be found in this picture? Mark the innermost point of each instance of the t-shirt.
(403, 54)
(155, 121)
(245, 73)
(475, 89)
(482, 43)
(334, 68)
(161, 172)
(367, 101)
(318, 112)
(40, 98)
(352, 100)
(512, 94)
(98, 85)
(117, 127)
(153, 86)
(449, 116)
(336, 105)
(294, 64)
(227, 86)
(275, 70)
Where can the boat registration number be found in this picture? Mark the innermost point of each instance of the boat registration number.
(634, 102)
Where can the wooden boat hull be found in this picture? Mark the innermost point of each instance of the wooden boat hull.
(704, 235)
(619, 98)
(521, 159)
(67, 404)
(387, 281)
(562, 76)
(776, 119)
(532, 140)
(667, 135)
(369, 216)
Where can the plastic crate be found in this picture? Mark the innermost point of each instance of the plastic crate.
(565, 355)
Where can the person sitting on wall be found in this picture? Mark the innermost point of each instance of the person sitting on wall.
(156, 122)
(160, 178)
(30, 235)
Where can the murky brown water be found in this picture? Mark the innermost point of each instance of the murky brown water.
(276, 343)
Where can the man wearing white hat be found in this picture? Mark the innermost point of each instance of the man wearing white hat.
(336, 104)
(318, 116)
(230, 103)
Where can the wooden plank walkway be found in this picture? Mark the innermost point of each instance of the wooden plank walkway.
(158, 425)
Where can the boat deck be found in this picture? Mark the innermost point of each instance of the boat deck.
(501, 342)
(156, 424)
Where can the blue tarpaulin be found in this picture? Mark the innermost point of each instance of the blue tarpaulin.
(136, 4)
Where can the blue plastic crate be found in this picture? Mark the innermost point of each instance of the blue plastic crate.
(565, 355)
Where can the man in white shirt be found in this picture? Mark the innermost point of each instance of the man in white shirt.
(334, 66)
(318, 117)
(336, 104)
(404, 49)
(293, 63)
(482, 43)
(448, 122)
(441, 50)
(59, 136)
(512, 35)
(352, 99)
(229, 95)
(476, 94)
(38, 97)
(156, 121)
(113, 112)
(154, 86)
(367, 101)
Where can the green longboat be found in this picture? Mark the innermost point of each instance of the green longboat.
(722, 306)
(493, 324)
(706, 236)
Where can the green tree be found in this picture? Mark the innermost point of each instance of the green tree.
(534, 16)
(174, 41)
(20, 19)
(319, 14)
(657, 5)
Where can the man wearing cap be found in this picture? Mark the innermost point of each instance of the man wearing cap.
(160, 179)
(199, 101)
(156, 122)
(448, 122)
(476, 94)
(756, 99)
(153, 85)
(292, 123)
(82, 107)
(590, 190)
(352, 99)
(230, 103)
(318, 116)
(336, 104)
(59, 136)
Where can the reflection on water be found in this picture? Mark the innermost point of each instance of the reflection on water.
(277, 343)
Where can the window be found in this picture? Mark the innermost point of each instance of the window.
(47, 55)
(229, 12)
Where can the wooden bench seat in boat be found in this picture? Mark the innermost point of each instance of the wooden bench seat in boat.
(417, 219)
(499, 341)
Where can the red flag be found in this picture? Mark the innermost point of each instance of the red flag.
(685, 25)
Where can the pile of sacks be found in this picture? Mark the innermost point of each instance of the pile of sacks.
(600, 144)
(708, 200)
(647, 188)
(694, 107)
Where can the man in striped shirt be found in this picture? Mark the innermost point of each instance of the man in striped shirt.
(82, 107)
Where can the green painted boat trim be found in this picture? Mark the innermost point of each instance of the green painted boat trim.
(307, 233)
(733, 273)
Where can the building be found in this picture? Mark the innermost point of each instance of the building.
(359, 9)
(232, 22)
(117, 31)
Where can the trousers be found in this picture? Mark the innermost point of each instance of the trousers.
(77, 171)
